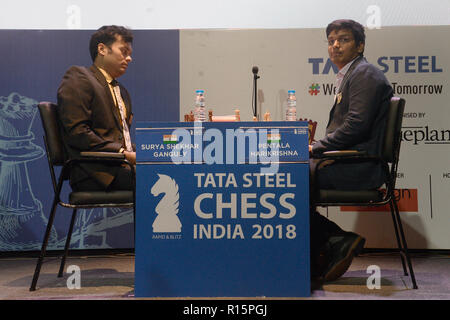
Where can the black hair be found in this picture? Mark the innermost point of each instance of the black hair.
(356, 28)
(107, 35)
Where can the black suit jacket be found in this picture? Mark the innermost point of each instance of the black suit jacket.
(357, 122)
(90, 120)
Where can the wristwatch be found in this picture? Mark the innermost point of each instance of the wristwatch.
(121, 150)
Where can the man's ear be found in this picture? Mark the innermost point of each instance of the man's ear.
(102, 49)
(361, 48)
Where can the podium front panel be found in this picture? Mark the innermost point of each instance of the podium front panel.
(222, 230)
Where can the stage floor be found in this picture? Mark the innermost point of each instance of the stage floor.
(111, 276)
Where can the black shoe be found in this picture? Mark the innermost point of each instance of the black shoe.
(342, 249)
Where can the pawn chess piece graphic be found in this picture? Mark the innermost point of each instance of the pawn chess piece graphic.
(22, 222)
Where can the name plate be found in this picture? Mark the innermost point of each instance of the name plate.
(223, 143)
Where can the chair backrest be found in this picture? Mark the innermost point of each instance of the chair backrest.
(53, 139)
(392, 138)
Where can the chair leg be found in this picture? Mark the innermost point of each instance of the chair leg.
(44, 246)
(397, 236)
(67, 245)
(405, 246)
(134, 226)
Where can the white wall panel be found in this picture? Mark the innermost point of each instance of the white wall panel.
(220, 61)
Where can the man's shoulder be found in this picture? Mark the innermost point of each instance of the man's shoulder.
(367, 67)
(80, 74)
(367, 72)
(78, 70)
(78, 78)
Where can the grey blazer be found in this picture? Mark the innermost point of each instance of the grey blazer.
(356, 122)
(90, 120)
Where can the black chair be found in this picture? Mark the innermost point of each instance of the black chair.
(80, 199)
(389, 159)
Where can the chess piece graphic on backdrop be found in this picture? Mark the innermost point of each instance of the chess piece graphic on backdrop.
(167, 208)
(22, 222)
(92, 226)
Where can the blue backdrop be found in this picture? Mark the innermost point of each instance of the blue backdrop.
(32, 65)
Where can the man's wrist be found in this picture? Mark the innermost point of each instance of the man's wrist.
(121, 150)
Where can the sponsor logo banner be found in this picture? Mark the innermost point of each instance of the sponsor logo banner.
(406, 201)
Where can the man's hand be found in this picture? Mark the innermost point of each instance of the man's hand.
(310, 148)
(130, 156)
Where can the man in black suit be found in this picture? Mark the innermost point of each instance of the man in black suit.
(95, 111)
(356, 122)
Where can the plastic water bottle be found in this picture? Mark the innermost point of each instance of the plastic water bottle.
(199, 109)
(291, 110)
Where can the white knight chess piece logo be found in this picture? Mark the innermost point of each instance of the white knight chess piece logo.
(167, 208)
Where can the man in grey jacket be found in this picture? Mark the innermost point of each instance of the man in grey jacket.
(356, 122)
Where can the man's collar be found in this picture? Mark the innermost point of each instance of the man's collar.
(344, 70)
(106, 75)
